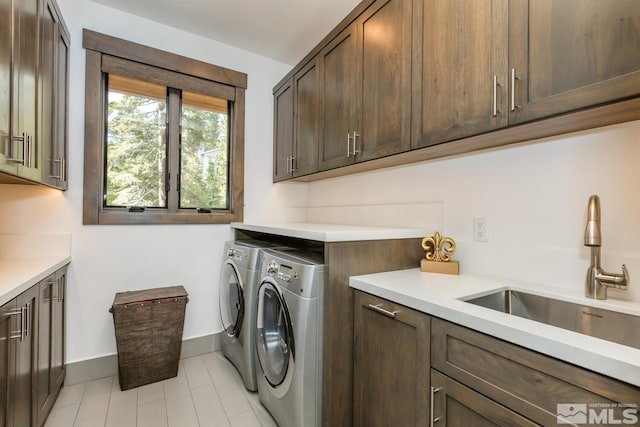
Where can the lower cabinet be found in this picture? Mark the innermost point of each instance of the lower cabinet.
(31, 337)
(457, 405)
(50, 365)
(391, 365)
(413, 369)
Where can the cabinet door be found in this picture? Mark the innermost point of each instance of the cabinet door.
(61, 116)
(384, 79)
(338, 113)
(24, 409)
(307, 118)
(9, 321)
(457, 405)
(58, 327)
(572, 54)
(283, 132)
(391, 364)
(6, 145)
(460, 69)
(43, 368)
(25, 65)
(46, 96)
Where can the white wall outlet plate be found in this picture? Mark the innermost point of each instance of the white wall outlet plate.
(480, 230)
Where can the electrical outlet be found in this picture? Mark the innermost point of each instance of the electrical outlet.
(480, 230)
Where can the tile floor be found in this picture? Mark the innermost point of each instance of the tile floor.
(208, 391)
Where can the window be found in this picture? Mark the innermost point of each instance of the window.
(163, 137)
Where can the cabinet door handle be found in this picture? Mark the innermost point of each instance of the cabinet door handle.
(19, 334)
(348, 144)
(379, 309)
(28, 156)
(63, 169)
(513, 89)
(292, 169)
(287, 166)
(355, 135)
(494, 111)
(432, 399)
(24, 138)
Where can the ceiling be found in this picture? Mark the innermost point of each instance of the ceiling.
(284, 30)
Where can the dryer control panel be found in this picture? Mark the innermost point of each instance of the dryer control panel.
(281, 271)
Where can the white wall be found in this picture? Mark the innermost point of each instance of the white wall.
(534, 197)
(109, 259)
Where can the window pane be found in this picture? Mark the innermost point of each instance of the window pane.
(204, 156)
(136, 143)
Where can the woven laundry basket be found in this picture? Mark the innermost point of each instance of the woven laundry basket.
(148, 326)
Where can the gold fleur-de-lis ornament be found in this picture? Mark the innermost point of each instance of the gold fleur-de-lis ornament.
(438, 251)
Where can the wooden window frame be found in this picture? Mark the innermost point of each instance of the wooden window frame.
(117, 56)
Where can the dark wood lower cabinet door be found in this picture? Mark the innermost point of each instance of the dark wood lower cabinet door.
(24, 410)
(8, 325)
(391, 369)
(455, 405)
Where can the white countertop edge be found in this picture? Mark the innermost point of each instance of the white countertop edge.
(37, 270)
(611, 359)
(332, 232)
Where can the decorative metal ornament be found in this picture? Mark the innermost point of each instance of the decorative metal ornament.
(438, 248)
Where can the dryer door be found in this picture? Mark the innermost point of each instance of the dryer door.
(231, 299)
(274, 334)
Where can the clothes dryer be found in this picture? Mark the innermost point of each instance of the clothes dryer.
(238, 302)
(289, 336)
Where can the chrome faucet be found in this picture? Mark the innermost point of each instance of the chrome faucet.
(597, 280)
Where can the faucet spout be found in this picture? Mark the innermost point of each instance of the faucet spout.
(597, 279)
(592, 234)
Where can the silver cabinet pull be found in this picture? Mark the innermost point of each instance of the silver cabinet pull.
(288, 164)
(27, 320)
(355, 135)
(24, 138)
(432, 399)
(348, 144)
(513, 89)
(19, 334)
(292, 169)
(379, 309)
(29, 146)
(63, 169)
(494, 112)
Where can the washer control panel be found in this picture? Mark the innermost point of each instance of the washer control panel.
(281, 271)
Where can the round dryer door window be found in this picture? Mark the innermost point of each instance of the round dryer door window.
(231, 300)
(274, 334)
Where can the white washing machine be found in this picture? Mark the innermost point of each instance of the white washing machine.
(289, 336)
(238, 303)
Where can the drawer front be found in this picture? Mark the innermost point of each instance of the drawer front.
(526, 381)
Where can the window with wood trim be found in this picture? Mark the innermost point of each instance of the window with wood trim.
(163, 137)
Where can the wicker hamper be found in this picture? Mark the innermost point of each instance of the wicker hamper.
(148, 326)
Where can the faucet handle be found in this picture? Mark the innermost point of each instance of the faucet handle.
(625, 273)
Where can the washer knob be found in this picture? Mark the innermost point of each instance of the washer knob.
(272, 268)
(232, 252)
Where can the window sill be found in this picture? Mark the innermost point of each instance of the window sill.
(119, 217)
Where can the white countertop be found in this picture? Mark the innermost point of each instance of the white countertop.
(440, 295)
(332, 232)
(27, 259)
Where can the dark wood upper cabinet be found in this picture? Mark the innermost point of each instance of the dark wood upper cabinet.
(283, 131)
(297, 124)
(338, 98)
(460, 67)
(366, 87)
(572, 54)
(383, 85)
(306, 93)
(414, 80)
(34, 62)
(6, 165)
(52, 96)
(25, 67)
(391, 364)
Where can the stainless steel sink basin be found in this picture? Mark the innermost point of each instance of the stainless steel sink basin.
(609, 325)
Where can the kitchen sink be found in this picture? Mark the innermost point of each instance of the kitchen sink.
(609, 325)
